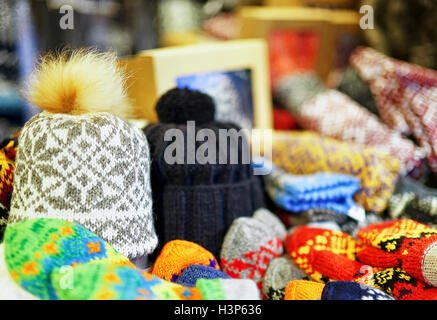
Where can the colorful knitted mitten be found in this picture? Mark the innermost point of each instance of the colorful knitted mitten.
(356, 124)
(8, 150)
(228, 289)
(406, 244)
(331, 255)
(177, 255)
(36, 247)
(305, 243)
(279, 273)
(307, 153)
(350, 290)
(248, 247)
(191, 274)
(106, 281)
(405, 95)
(303, 290)
(10, 290)
(323, 190)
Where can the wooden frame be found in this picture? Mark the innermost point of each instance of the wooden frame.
(153, 72)
(259, 22)
(303, 3)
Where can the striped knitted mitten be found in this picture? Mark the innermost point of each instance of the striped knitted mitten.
(249, 246)
(36, 247)
(177, 255)
(303, 290)
(228, 289)
(406, 244)
(106, 281)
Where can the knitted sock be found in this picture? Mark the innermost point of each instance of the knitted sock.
(296, 193)
(10, 290)
(228, 289)
(190, 274)
(177, 255)
(248, 248)
(350, 290)
(307, 153)
(304, 244)
(106, 281)
(413, 200)
(406, 244)
(303, 290)
(35, 247)
(279, 273)
(356, 125)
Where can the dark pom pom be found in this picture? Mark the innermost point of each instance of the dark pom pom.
(181, 105)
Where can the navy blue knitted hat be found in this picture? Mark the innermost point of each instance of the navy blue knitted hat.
(198, 202)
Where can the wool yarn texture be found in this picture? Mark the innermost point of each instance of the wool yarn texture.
(177, 255)
(78, 162)
(192, 273)
(322, 190)
(35, 247)
(354, 86)
(8, 150)
(248, 248)
(106, 281)
(10, 289)
(303, 290)
(228, 289)
(305, 152)
(403, 243)
(350, 290)
(405, 90)
(335, 115)
(327, 255)
(413, 200)
(279, 273)
(195, 200)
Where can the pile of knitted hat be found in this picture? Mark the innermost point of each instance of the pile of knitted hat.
(397, 257)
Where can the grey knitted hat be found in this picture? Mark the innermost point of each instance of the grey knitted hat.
(92, 169)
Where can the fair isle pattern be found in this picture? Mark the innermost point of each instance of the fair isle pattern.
(356, 125)
(378, 71)
(91, 169)
(419, 87)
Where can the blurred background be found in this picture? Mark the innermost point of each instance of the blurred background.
(404, 29)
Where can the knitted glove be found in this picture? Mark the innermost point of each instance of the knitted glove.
(406, 244)
(327, 255)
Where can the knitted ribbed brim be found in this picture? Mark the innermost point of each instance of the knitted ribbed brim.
(202, 214)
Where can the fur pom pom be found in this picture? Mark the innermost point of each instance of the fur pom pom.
(79, 81)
